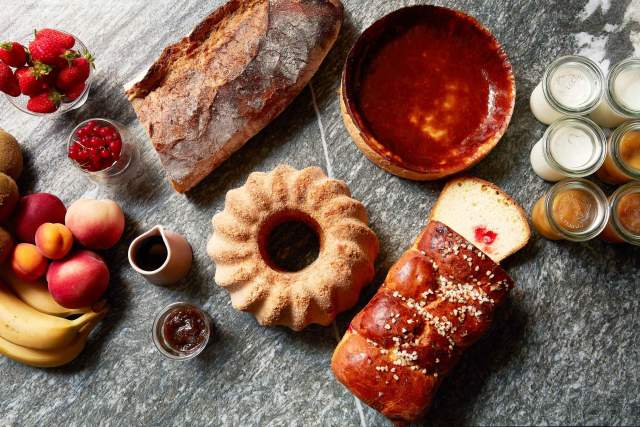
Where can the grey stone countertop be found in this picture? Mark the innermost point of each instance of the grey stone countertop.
(565, 350)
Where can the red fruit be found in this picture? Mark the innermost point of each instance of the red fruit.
(32, 211)
(115, 147)
(96, 147)
(65, 40)
(13, 54)
(50, 52)
(8, 81)
(75, 73)
(46, 102)
(32, 79)
(74, 92)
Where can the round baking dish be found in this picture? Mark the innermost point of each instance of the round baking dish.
(426, 92)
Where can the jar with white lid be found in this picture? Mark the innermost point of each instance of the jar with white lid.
(572, 147)
(571, 86)
(622, 163)
(624, 215)
(621, 100)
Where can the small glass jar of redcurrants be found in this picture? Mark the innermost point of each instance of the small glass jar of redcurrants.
(100, 148)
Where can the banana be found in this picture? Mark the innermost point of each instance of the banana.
(37, 295)
(23, 325)
(49, 358)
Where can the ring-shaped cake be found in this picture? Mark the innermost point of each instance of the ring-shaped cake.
(318, 292)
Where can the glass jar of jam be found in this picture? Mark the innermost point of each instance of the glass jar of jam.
(181, 331)
(573, 209)
(624, 215)
(622, 163)
(621, 100)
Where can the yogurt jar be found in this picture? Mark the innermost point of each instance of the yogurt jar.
(622, 163)
(570, 86)
(571, 147)
(621, 100)
(624, 215)
(573, 209)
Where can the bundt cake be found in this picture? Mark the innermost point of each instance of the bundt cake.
(321, 290)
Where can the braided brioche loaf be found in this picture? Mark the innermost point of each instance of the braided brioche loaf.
(436, 301)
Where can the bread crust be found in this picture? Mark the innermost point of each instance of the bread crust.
(436, 301)
(209, 93)
(521, 213)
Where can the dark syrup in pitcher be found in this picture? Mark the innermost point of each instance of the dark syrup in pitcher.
(151, 253)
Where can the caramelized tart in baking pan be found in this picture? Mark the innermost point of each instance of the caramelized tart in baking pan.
(427, 92)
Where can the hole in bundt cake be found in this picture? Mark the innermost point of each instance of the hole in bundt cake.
(291, 243)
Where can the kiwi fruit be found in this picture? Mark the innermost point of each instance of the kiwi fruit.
(8, 196)
(6, 244)
(11, 160)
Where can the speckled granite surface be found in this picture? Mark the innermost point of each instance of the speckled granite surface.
(566, 348)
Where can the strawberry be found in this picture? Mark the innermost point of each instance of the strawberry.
(13, 54)
(50, 52)
(32, 80)
(75, 73)
(65, 40)
(74, 92)
(46, 102)
(8, 81)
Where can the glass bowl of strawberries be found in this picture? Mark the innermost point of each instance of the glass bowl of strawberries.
(101, 149)
(46, 73)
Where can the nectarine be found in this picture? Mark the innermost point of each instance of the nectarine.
(54, 240)
(34, 210)
(27, 262)
(78, 280)
(96, 224)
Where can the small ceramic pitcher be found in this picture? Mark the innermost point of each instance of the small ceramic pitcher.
(177, 257)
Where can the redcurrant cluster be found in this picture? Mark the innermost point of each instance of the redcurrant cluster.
(96, 146)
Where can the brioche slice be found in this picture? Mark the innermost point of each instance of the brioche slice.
(484, 215)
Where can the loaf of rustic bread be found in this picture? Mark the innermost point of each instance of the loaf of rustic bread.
(436, 301)
(241, 66)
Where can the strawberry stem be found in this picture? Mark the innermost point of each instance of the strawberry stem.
(55, 97)
(70, 55)
(89, 57)
(40, 69)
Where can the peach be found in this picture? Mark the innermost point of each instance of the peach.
(33, 211)
(96, 224)
(79, 280)
(28, 263)
(54, 240)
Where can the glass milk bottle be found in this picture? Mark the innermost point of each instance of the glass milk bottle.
(622, 163)
(621, 100)
(571, 147)
(570, 86)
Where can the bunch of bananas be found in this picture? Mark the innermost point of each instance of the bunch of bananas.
(34, 329)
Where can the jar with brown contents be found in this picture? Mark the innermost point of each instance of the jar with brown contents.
(573, 209)
(624, 217)
(181, 331)
(622, 163)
